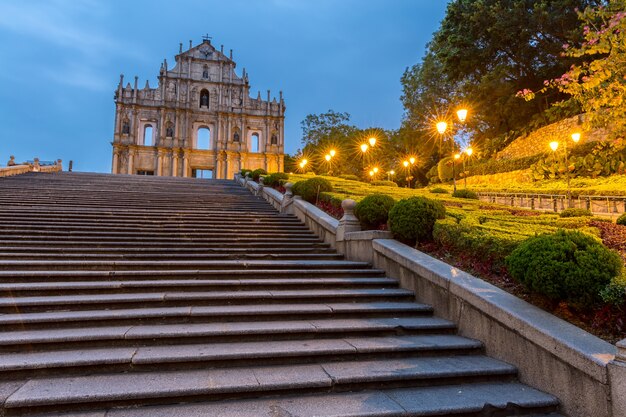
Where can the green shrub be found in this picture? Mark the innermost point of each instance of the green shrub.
(433, 175)
(413, 219)
(373, 210)
(349, 177)
(615, 293)
(384, 184)
(245, 171)
(566, 265)
(438, 190)
(257, 173)
(275, 179)
(621, 220)
(465, 194)
(311, 189)
(575, 212)
(444, 169)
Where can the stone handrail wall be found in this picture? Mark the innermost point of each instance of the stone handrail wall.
(587, 374)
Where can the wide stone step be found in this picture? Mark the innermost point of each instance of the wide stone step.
(161, 251)
(183, 298)
(16, 289)
(14, 265)
(209, 234)
(224, 355)
(465, 400)
(205, 314)
(166, 387)
(164, 245)
(267, 255)
(152, 274)
(167, 334)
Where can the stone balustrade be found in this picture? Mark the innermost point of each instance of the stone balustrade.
(587, 374)
(35, 166)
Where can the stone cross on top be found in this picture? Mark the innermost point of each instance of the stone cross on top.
(207, 37)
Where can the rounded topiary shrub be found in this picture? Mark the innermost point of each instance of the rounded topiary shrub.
(621, 220)
(257, 173)
(465, 194)
(412, 219)
(438, 190)
(445, 169)
(349, 177)
(575, 212)
(275, 179)
(567, 265)
(384, 184)
(310, 189)
(373, 210)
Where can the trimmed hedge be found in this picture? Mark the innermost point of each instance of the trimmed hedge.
(412, 219)
(438, 190)
(465, 194)
(311, 189)
(565, 266)
(576, 212)
(384, 184)
(244, 172)
(621, 220)
(466, 240)
(349, 177)
(373, 210)
(275, 179)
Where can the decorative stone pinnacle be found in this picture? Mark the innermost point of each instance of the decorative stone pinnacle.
(288, 192)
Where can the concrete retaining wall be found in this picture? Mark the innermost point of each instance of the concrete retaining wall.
(587, 374)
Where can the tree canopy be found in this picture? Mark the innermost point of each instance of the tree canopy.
(483, 53)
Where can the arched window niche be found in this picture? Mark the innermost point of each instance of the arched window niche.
(255, 143)
(148, 135)
(204, 98)
(203, 139)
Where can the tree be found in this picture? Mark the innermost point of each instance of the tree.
(598, 83)
(325, 127)
(487, 50)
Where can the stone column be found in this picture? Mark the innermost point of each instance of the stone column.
(131, 157)
(116, 157)
(159, 162)
(186, 163)
(175, 163)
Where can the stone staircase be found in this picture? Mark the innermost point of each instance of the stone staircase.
(138, 296)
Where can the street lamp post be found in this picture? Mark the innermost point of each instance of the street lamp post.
(456, 156)
(364, 148)
(469, 152)
(408, 182)
(554, 146)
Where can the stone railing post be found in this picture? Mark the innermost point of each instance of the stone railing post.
(259, 191)
(246, 179)
(286, 206)
(60, 164)
(348, 223)
(36, 166)
(617, 380)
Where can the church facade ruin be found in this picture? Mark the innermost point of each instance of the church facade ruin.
(198, 122)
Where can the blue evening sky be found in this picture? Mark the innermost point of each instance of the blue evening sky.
(60, 62)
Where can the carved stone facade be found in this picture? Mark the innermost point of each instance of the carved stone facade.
(200, 118)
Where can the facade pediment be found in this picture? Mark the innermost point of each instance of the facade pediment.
(161, 127)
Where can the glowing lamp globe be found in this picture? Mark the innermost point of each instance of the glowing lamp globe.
(442, 127)
(412, 160)
(457, 156)
(462, 115)
(375, 170)
(576, 137)
(469, 151)
(364, 147)
(392, 172)
(332, 152)
(371, 173)
(327, 157)
(372, 141)
(405, 163)
(554, 145)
